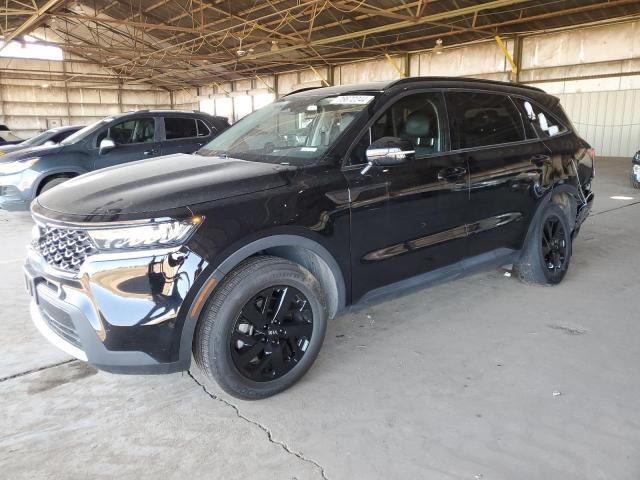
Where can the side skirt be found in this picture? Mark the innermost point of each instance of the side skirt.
(485, 261)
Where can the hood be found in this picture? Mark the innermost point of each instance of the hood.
(5, 149)
(22, 153)
(161, 184)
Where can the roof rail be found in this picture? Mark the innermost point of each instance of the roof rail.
(300, 90)
(463, 79)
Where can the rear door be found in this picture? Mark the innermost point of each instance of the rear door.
(501, 150)
(408, 219)
(184, 134)
(135, 139)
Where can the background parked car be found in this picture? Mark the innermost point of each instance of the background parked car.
(111, 141)
(48, 137)
(7, 137)
(635, 170)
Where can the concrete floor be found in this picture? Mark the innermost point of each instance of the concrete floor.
(452, 382)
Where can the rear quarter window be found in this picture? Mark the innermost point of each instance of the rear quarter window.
(545, 123)
(203, 129)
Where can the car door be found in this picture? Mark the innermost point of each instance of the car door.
(408, 219)
(184, 135)
(134, 138)
(502, 153)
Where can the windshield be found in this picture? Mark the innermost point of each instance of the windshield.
(38, 139)
(296, 129)
(80, 134)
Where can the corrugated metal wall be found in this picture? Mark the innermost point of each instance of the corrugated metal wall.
(609, 121)
(595, 71)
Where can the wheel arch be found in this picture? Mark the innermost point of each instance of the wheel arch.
(303, 251)
(297, 248)
(51, 174)
(564, 195)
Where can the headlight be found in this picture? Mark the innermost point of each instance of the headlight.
(17, 167)
(161, 234)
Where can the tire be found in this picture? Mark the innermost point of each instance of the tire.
(534, 267)
(230, 328)
(49, 184)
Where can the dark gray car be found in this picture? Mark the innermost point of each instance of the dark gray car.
(111, 141)
(48, 137)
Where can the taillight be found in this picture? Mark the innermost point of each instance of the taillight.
(592, 154)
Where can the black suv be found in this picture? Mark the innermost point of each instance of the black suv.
(112, 141)
(635, 170)
(327, 197)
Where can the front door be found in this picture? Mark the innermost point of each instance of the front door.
(135, 139)
(408, 219)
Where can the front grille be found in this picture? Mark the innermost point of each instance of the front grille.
(63, 248)
(60, 322)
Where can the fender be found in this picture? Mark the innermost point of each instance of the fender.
(547, 198)
(52, 172)
(211, 281)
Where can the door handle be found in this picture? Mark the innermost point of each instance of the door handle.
(540, 160)
(451, 173)
(149, 152)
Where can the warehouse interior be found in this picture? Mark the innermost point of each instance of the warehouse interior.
(453, 382)
(229, 60)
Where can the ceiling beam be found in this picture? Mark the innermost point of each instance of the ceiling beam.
(369, 31)
(36, 18)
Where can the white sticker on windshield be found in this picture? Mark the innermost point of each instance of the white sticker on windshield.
(351, 100)
(308, 149)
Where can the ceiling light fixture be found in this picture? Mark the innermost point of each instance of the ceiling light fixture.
(438, 48)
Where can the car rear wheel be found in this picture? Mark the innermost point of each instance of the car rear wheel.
(547, 253)
(262, 328)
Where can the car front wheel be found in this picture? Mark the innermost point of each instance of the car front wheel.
(262, 328)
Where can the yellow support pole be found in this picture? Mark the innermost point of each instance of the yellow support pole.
(503, 47)
(326, 84)
(269, 87)
(393, 64)
(220, 87)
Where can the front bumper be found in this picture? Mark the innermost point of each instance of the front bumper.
(635, 170)
(120, 313)
(15, 192)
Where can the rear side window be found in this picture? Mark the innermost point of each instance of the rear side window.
(203, 129)
(481, 119)
(176, 127)
(544, 123)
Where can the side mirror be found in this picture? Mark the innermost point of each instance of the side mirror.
(106, 145)
(388, 152)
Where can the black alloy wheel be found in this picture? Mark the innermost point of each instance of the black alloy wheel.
(554, 245)
(271, 333)
(547, 251)
(262, 328)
